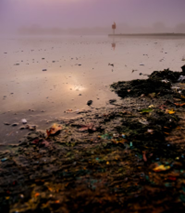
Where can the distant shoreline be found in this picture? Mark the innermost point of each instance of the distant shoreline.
(149, 34)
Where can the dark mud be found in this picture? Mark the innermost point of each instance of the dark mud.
(126, 157)
(166, 75)
(137, 88)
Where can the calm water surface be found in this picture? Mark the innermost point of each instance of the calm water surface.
(76, 70)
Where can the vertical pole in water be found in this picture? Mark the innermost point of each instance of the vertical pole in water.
(114, 27)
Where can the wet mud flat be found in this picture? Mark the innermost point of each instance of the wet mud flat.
(125, 158)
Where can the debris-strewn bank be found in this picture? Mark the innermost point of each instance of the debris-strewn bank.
(124, 158)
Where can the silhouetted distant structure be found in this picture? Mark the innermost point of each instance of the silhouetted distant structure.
(114, 27)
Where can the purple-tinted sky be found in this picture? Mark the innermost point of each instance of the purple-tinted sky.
(90, 13)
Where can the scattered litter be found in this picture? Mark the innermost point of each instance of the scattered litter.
(143, 121)
(165, 81)
(113, 156)
(4, 159)
(31, 127)
(151, 106)
(181, 78)
(145, 111)
(180, 105)
(161, 168)
(68, 111)
(170, 111)
(53, 129)
(24, 121)
(150, 131)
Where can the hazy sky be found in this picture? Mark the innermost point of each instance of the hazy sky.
(90, 13)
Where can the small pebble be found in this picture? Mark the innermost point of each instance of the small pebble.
(21, 195)
(15, 124)
(24, 121)
(22, 127)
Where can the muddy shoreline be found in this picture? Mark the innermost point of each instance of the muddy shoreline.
(127, 157)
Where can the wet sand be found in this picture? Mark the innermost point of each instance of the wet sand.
(77, 71)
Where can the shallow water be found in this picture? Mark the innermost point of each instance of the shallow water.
(77, 71)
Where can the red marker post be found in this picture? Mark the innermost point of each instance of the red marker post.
(114, 27)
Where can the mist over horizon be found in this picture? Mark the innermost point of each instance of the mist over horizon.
(91, 16)
(121, 28)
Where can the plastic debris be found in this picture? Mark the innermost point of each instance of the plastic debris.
(123, 136)
(165, 81)
(150, 131)
(146, 110)
(181, 78)
(24, 121)
(144, 156)
(151, 106)
(180, 105)
(161, 168)
(53, 129)
(143, 121)
(170, 111)
(4, 159)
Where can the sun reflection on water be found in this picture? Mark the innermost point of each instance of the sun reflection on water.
(76, 88)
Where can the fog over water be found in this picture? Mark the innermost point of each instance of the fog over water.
(91, 16)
